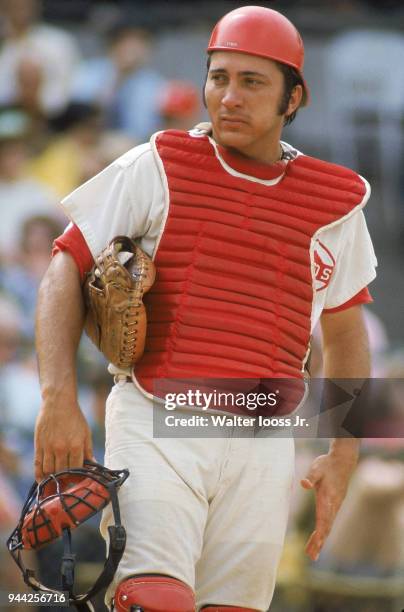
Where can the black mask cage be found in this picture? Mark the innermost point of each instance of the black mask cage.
(60, 503)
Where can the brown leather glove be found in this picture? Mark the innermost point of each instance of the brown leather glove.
(113, 292)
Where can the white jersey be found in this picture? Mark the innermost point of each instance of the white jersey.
(129, 197)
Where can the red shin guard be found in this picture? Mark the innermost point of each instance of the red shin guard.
(154, 594)
(226, 609)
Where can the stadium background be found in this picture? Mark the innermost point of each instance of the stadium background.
(356, 120)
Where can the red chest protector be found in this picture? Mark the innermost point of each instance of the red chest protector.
(234, 289)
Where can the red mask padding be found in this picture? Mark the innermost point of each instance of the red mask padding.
(64, 502)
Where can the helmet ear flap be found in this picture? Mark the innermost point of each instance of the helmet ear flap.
(60, 503)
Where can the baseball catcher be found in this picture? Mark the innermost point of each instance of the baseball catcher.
(254, 243)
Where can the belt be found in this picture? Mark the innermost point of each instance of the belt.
(122, 378)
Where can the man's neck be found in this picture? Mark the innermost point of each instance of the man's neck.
(270, 157)
(261, 153)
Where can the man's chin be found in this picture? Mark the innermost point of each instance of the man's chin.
(231, 139)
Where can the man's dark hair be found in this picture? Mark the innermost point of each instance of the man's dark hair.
(291, 79)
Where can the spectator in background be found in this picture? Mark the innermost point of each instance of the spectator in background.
(386, 6)
(21, 279)
(122, 83)
(179, 105)
(10, 508)
(71, 156)
(80, 149)
(51, 51)
(20, 196)
(10, 333)
(29, 81)
(19, 393)
(112, 145)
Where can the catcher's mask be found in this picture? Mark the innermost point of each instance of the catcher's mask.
(60, 503)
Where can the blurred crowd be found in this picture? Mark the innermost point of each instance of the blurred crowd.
(64, 116)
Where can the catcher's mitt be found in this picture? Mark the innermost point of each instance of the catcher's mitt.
(113, 291)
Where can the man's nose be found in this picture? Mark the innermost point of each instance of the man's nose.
(232, 97)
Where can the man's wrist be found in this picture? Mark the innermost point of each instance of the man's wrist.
(55, 394)
(346, 447)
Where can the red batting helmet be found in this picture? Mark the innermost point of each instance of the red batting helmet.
(60, 503)
(261, 31)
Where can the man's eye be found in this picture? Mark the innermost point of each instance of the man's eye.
(218, 78)
(253, 82)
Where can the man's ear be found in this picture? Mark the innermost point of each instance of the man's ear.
(295, 99)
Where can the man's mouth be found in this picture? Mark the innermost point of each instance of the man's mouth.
(230, 120)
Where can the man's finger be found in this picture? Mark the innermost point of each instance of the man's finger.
(48, 463)
(38, 470)
(311, 547)
(76, 458)
(324, 514)
(314, 546)
(61, 462)
(322, 531)
(88, 452)
(306, 483)
(312, 478)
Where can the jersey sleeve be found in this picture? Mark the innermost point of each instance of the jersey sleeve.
(362, 297)
(72, 241)
(355, 267)
(126, 198)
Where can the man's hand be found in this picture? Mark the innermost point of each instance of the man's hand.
(329, 477)
(62, 440)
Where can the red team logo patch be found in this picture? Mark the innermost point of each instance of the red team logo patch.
(324, 264)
